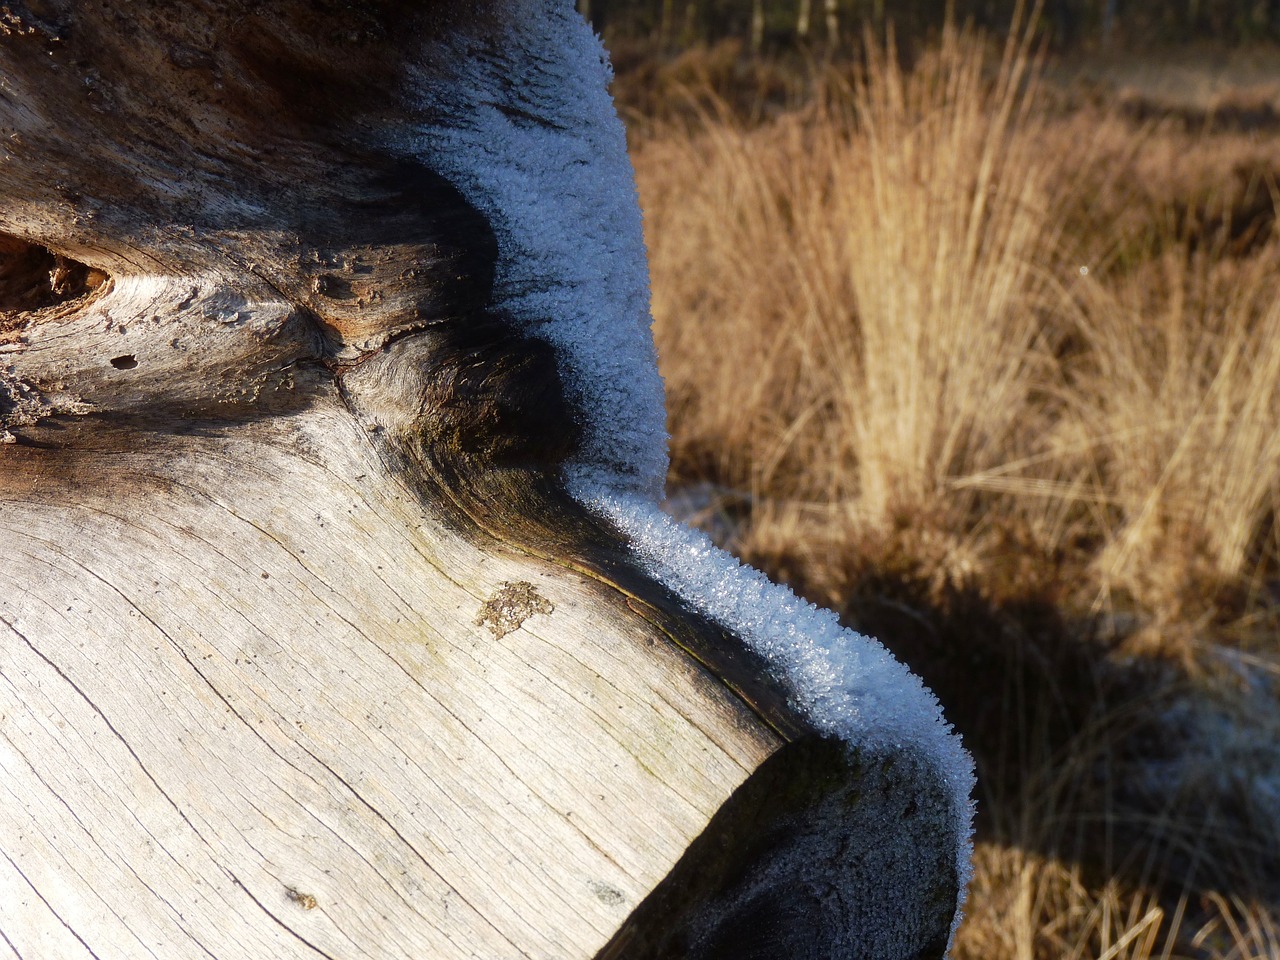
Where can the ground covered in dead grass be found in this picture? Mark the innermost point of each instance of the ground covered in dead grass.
(992, 367)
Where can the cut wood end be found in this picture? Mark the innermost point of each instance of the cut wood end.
(823, 853)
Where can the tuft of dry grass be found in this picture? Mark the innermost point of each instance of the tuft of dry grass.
(872, 268)
(1181, 397)
(1028, 907)
(942, 207)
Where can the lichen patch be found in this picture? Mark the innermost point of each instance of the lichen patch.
(305, 900)
(21, 404)
(510, 607)
(610, 896)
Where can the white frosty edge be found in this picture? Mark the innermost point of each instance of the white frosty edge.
(572, 269)
(528, 133)
(847, 684)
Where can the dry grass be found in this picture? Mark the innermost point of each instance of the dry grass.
(875, 264)
(923, 295)
(1024, 906)
(1082, 864)
(1182, 399)
(942, 216)
(995, 373)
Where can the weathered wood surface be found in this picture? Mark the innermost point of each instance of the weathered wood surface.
(266, 675)
(305, 650)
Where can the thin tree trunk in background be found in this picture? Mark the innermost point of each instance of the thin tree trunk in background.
(833, 21)
(666, 24)
(1108, 21)
(803, 20)
(1064, 22)
(1262, 14)
(594, 13)
(757, 26)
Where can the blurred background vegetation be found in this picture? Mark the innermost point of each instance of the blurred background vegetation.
(970, 324)
(775, 24)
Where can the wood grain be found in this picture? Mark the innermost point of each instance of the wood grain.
(247, 672)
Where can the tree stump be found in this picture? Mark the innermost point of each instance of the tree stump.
(337, 617)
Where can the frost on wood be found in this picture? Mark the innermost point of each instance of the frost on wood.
(560, 193)
(528, 133)
(848, 684)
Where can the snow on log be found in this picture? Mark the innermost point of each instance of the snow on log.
(337, 617)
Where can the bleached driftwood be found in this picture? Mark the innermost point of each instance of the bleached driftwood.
(333, 621)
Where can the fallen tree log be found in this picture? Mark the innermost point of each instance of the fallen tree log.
(337, 617)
